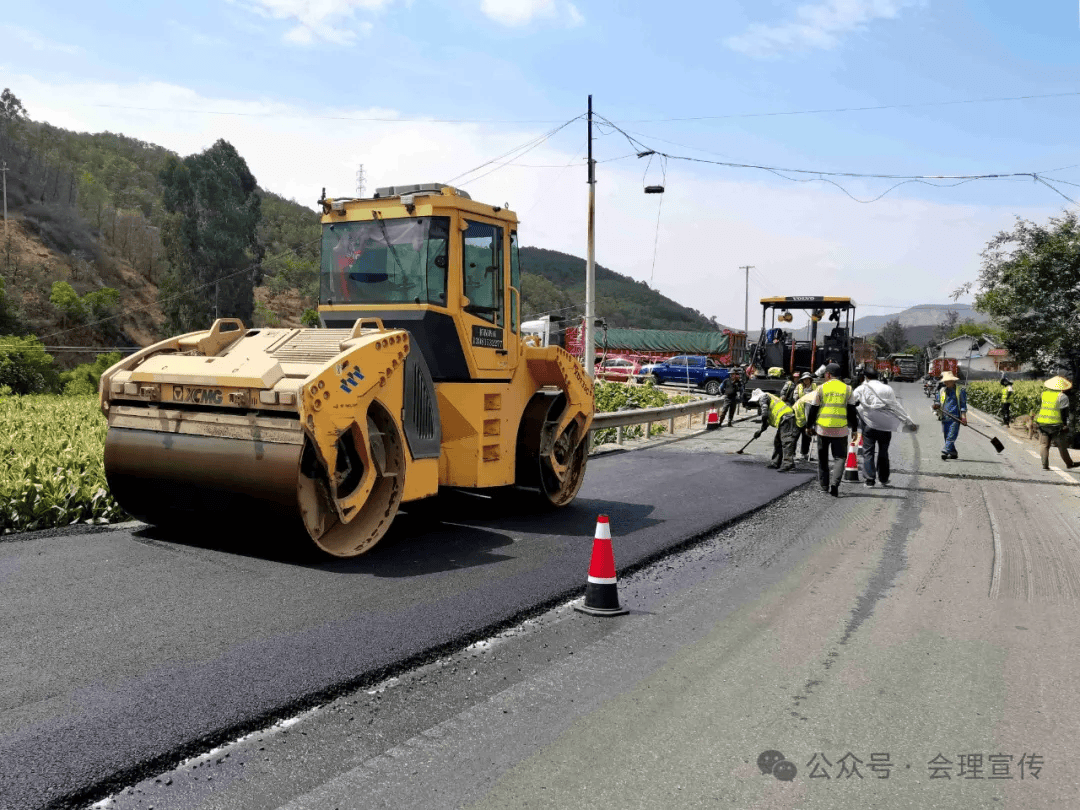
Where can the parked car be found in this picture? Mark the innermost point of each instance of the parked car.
(617, 369)
(696, 371)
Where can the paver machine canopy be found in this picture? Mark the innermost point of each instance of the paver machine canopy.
(419, 378)
(780, 351)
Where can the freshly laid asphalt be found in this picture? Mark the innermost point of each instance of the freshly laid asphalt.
(126, 650)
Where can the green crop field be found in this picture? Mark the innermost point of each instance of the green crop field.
(51, 471)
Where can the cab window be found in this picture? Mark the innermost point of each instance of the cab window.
(482, 271)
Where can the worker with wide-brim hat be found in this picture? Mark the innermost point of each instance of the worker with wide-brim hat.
(1006, 400)
(951, 406)
(1053, 421)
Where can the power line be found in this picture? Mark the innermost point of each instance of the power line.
(823, 176)
(524, 149)
(849, 109)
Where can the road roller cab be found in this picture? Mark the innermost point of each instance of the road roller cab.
(420, 378)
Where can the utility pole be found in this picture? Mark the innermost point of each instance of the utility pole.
(746, 305)
(590, 265)
(3, 171)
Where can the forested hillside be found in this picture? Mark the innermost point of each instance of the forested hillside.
(115, 242)
(554, 281)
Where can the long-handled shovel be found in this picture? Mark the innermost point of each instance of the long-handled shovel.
(739, 451)
(994, 440)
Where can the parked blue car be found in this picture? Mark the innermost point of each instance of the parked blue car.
(693, 370)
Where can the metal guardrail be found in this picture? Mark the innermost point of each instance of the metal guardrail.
(648, 416)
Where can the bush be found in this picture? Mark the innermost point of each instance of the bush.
(986, 396)
(25, 367)
(612, 396)
(65, 299)
(83, 380)
(101, 303)
(310, 318)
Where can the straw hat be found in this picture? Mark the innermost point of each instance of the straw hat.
(948, 376)
(1057, 384)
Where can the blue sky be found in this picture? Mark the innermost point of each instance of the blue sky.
(514, 69)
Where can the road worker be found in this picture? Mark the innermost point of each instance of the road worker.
(778, 414)
(731, 393)
(806, 385)
(880, 415)
(951, 407)
(832, 412)
(1006, 400)
(1053, 421)
(787, 393)
(801, 407)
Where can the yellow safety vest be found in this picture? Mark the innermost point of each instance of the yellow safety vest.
(1049, 413)
(1006, 393)
(834, 397)
(800, 390)
(800, 408)
(778, 409)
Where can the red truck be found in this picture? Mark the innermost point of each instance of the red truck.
(943, 364)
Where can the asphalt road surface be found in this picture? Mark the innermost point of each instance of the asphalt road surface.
(910, 647)
(126, 650)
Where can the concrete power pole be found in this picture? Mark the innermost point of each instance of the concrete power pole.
(589, 355)
(746, 303)
(3, 171)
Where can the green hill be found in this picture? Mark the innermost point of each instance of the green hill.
(557, 285)
(87, 210)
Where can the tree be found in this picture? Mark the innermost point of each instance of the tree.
(977, 330)
(893, 336)
(25, 367)
(209, 238)
(1030, 285)
(12, 112)
(65, 299)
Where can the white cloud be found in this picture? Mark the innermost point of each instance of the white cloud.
(36, 42)
(802, 238)
(816, 26)
(331, 21)
(517, 13)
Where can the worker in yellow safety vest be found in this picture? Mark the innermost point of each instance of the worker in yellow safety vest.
(1006, 400)
(778, 414)
(1053, 421)
(806, 385)
(801, 408)
(833, 413)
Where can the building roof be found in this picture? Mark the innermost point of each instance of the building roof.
(664, 340)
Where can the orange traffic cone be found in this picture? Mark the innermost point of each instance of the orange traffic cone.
(713, 422)
(851, 469)
(602, 590)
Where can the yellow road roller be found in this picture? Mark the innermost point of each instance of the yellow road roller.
(418, 378)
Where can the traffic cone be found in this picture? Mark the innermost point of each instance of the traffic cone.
(602, 590)
(851, 469)
(713, 422)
